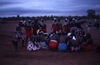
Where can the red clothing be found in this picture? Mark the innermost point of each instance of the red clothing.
(43, 29)
(56, 27)
(65, 28)
(28, 32)
(87, 47)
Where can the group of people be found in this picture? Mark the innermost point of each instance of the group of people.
(30, 29)
(64, 37)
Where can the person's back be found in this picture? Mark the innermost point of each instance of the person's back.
(54, 37)
(63, 38)
(43, 26)
(35, 27)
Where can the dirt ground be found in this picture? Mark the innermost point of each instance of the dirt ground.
(43, 57)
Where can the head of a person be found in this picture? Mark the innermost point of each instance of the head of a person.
(29, 21)
(66, 20)
(55, 20)
(36, 20)
(58, 20)
(42, 20)
(73, 19)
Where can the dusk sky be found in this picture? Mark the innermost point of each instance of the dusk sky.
(47, 7)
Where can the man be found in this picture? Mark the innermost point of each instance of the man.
(18, 34)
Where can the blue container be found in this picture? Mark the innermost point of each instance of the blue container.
(62, 47)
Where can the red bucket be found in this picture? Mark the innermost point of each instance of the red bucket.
(87, 47)
(53, 44)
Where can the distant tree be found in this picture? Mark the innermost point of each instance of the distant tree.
(91, 14)
(18, 16)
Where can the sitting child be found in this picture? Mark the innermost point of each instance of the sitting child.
(88, 44)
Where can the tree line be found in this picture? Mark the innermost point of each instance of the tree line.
(91, 14)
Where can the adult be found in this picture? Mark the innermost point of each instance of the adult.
(28, 29)
(55, 25)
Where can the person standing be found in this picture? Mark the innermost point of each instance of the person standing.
(35, 26)
(65, 26)
(28, 30)
(96, 24)
(55, 26)
(43, 26)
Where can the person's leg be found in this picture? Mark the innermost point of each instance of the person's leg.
(15, 44)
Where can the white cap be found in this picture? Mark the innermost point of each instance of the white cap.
(74, 38)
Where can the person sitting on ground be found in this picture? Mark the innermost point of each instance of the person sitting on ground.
(63, 42)
(73, 41)
(88, 44)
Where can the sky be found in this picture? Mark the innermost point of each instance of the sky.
(47, 7)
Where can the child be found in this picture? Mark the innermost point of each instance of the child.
(73, 41)
(74, 44)
(88, 44)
